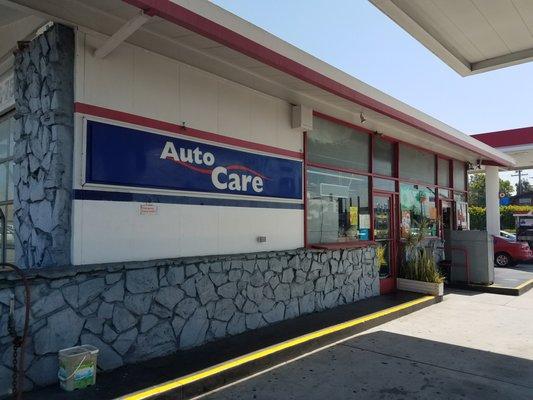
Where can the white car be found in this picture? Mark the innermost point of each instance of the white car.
(507, 235)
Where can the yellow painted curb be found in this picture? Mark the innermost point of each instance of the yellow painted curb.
(226, 365)
(523, 284)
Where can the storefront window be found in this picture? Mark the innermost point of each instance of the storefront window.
(444, 173)
(337, 207)
(461, 211)
(418, 206)
(7, 241)
(338, 146)
(459, 175)
(416, 164)
(383, 157)
(384, 184)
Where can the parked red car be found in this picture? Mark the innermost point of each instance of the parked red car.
(507, 251)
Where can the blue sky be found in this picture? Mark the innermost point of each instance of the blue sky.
(357, 38)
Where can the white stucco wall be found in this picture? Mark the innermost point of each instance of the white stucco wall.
(139, 82)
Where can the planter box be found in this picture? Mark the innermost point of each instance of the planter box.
(436, 289)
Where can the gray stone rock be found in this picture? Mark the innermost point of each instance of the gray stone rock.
(288, 276)
(142, 280)
(330, 299)
(123, 319)
(218, 328)
(276, 314)
(53, 336)
(218, 278)
(224, 310)
(297, 290)
(255, 294)
(234, 275)
(189, 286)
(95, 325)
(254, 321)
(177, 325)
(114, 293)
(138, 303)
(206, 290)
(125, 340)
(186, 307)
(70, 293)
(237, 324)
(193, 333)
(109, 335)
(47, 304)
(307, 303)
(292, 309)
(176, 275)
(89, 290)
(169, 296)
(43, 371)
(113, 278)
(161, 311)
(249, 266)
(250, 307)
(228, 290)
(257, 279)
(282, 292)
(266, 305)
(156, 342)
(108, 358)
(148, 321)
(190, 270)
(105, 311)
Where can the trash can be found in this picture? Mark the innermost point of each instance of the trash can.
(77, 367)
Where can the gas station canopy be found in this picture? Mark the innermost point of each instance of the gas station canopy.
(471, 36)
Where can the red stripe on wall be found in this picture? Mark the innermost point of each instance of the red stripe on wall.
(115, 115)
(181, 16)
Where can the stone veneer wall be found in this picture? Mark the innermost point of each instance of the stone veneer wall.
(43, 136)
(137, 311)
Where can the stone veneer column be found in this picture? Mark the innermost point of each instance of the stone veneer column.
(43, 135)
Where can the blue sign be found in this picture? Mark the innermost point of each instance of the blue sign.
(505, 201)
(123, 156)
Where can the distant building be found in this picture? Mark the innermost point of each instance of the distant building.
(524, 199)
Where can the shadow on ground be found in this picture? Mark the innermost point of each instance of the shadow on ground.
(385, 366)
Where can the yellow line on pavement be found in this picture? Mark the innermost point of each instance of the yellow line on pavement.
(226, 365)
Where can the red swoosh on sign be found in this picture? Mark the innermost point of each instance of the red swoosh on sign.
(208, 171)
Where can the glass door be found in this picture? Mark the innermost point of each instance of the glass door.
(385, 236)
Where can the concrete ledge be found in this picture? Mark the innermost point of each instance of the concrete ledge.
(496, 289)
(192, 372)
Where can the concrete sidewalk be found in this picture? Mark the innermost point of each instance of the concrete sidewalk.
(470, 346)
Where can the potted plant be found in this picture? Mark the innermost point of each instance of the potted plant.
(418, 271)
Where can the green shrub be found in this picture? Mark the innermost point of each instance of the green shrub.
(478, 218)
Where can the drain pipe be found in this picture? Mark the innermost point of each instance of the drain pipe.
(18, 341)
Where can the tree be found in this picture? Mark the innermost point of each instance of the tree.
(476, 189)
(525, 185)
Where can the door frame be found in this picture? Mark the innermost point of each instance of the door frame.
(388, 284)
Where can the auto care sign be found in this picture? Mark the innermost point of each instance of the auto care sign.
(123, 156)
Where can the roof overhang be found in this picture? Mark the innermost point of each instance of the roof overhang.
(470, 36)
(204, 35)
(517, 143)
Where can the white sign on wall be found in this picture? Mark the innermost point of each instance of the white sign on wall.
(7, 91)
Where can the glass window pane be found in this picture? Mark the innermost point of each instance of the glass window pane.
(5, 137)
(459, 173)
(444, 172)
(337, 207)
(383, 157)
(10, 186)
(416, 164)
(10, 234)
(384, 184)
(417, 206)
(337, 145)
(3, 181)
(461, 211)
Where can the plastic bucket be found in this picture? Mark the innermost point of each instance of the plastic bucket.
(77, 367)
